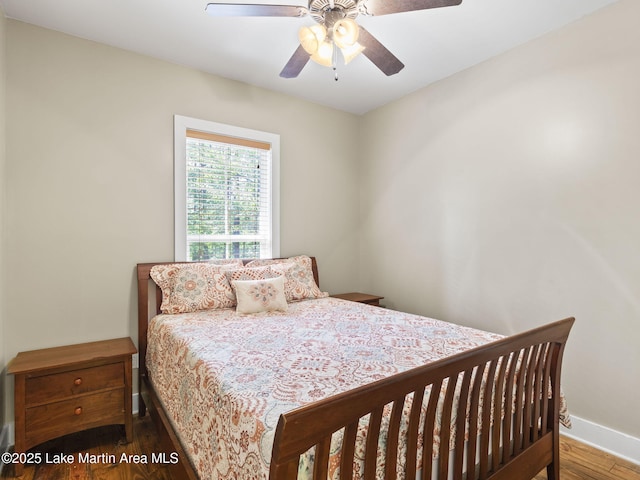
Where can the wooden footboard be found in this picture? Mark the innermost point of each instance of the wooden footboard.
(508, 390)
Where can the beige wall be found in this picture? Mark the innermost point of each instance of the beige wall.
(507, 195)
(2, 216)
(90, 180)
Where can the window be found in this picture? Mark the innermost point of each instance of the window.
(226, 191)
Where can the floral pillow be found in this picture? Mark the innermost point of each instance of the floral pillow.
(255, 296)
(298, 274)
(189, 287)
(249, 273)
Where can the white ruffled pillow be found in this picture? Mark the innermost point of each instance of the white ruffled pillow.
(255, 296)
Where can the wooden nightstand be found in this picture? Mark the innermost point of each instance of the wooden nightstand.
(360, 297)
(63, 390)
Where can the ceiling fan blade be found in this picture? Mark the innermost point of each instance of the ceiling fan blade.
(378, 54)
(295, 64)
(253, 10)
(386, 7)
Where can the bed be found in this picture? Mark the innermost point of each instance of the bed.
(325, 388)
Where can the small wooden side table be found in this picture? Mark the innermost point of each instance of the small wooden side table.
(360, 298)
(63, 390)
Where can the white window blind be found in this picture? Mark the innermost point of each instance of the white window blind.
(229, 196)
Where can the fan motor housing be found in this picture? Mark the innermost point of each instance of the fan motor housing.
(323, 12)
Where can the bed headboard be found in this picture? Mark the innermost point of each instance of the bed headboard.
(146, 286)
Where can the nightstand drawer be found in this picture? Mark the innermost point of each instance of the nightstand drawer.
(87, 411)
(58, 386)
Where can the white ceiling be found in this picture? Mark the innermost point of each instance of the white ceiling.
(433, 44)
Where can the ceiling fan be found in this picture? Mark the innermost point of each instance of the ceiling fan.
(335, 30)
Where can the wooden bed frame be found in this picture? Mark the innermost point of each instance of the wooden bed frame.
(514, 439)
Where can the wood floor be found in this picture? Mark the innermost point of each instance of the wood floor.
(580, 461)
(105, 447)
(107, 444)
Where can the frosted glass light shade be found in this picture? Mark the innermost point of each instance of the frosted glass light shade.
(312, 37)
(324, 54)
(320, 44)
(349, 53)
(345, 32)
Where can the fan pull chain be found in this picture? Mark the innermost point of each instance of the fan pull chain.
(334, 63)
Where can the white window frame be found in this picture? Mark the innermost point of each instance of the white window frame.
(181, 125)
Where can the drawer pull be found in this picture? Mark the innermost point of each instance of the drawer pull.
(77, 411)
(77, 381)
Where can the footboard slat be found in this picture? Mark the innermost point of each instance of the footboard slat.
(509, 388)
(486, 420)
(461, 425)
(546, 387)
(529, 423)
(538, 392)
(321, 458)
(498, 411)
(348, 450)
(445, 433)
(392, 439)
(428, 428)
(508, 440)
(519, 409)
(371, 452)
(412, 434)
(474, 415)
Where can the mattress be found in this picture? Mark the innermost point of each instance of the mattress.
(225, 378)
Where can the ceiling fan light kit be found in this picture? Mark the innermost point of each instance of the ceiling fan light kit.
(320, 43)
(336, 29)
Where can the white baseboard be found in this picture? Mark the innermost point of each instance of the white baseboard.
(135, 402)
(4, 438)
(604, 438)
(4, 442)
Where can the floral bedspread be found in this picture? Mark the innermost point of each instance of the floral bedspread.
(225, 378)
